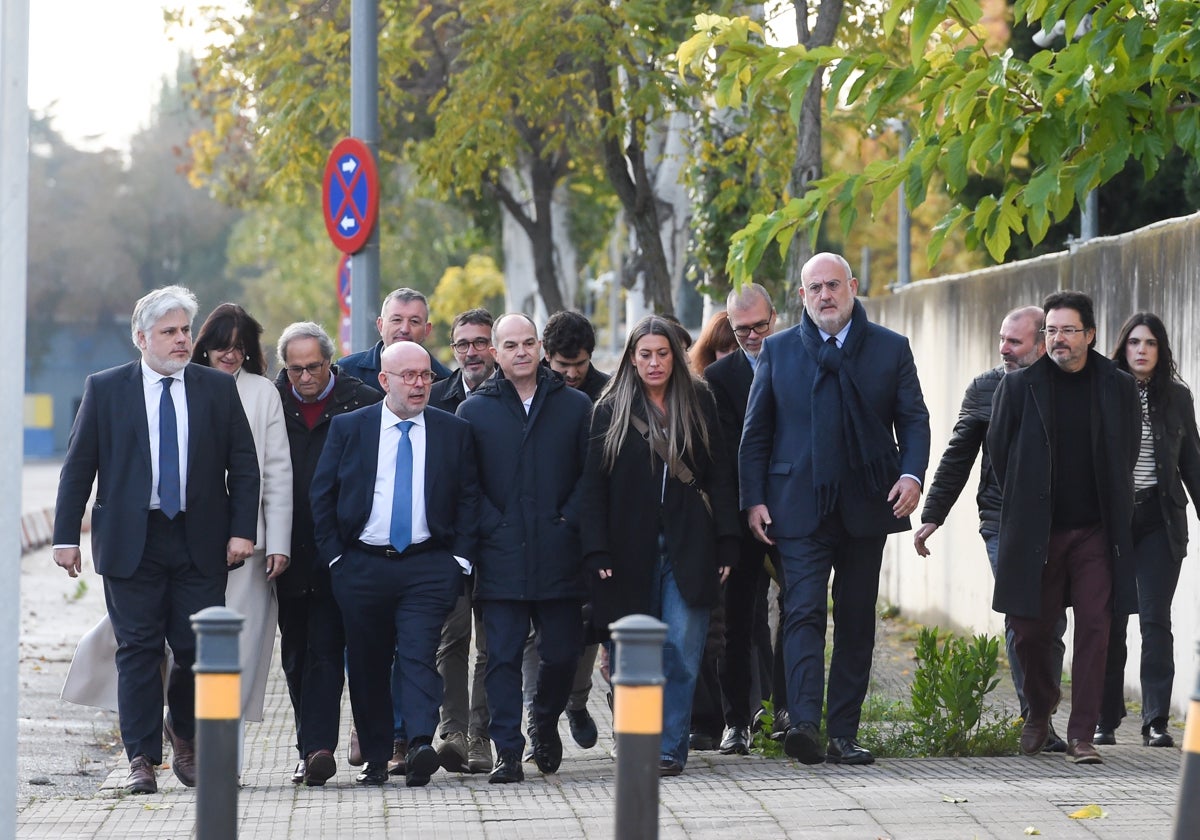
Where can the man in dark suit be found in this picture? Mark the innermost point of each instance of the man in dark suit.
(176, 506)
(833, 454)
(752, 317)
(394, 501)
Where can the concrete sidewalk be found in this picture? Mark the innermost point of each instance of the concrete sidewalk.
(68, 748)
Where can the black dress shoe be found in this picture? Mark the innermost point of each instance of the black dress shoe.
(421, 763)
(847, 751)
(669, 767)
(1156, 735)
(801, 742)
(508, 768)
(141, 777)
(1104, 736)
(736, 741)
(547, 749)
(583, 727)
(298, 773)
(1054, 744)
(375, 773)
(781, 724)
(699, 741)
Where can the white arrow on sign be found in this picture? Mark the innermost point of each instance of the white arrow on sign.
(349, 165)
(347, 223)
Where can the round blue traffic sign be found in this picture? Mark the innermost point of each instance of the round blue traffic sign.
(350, 195)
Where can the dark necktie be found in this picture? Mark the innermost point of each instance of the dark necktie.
(832, 341)
(168, 453)
(401, 533)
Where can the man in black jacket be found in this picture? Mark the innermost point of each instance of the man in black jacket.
(1064, 438)
(312, 642)
(530, 432)
(463, 742)
(404, 316)
(1021, 344)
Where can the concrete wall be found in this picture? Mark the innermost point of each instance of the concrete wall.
(953, 323)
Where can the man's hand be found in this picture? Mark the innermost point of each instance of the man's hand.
(605, 574)
(723, 571)
(69, 559)
(276, 565)
(760, 520)
(923, 533)
(238, 549)
(905, 493)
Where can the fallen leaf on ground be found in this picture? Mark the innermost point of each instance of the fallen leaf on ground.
(948, 798)
(1089, 812)
(1031, 830)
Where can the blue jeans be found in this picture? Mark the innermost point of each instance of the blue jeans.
(687, 628)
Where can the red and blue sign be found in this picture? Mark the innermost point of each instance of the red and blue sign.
(343, 283)
(351, 195)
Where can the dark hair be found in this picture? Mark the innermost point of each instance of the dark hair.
(1165, 371)
(1078, 301)
(568, 333)
(218, 331)
(478, 317)
(685, 337)
(716, 337)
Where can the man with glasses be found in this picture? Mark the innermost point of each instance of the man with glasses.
(463, 741)
(403, 317)
(752, 317)
(530, 431)
(312, 643)
(1064, 439)
(394, 502)
(833, 454)
(1021, 344)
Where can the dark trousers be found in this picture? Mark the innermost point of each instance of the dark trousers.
(1077, 567)
(738, 667)
(708, 713)
(153, 606)
(807, 564)
(312, 646)
(383, 599)
(1157, 576)
(559, 625)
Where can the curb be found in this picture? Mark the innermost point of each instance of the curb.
(37, 529)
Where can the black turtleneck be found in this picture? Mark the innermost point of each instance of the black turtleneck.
(1076, 500)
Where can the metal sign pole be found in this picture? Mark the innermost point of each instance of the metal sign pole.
(364, 124)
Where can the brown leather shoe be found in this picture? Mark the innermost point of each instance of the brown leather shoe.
(355, 758)
(1034, 734)
(183, 760)
(397, 766)
(319, 767)
(141, 776)
(1082, 752)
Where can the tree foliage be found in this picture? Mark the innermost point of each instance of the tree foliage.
(1128, 87)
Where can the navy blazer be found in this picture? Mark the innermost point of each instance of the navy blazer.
(343, 485)
(111, 440)
(775, 458)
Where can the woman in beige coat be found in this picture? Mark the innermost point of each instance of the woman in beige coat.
(229, 341)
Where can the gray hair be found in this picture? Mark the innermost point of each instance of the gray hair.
(404, 295)
(304, 329)
(745, 297)
(152, 307)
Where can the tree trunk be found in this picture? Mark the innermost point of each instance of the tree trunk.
(538, 226)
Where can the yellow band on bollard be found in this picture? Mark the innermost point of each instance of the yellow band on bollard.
(1191, 732)
(218, 696)
(637, 709)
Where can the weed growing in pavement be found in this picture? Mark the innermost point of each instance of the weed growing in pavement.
(948, 713)
(762, 743)
(81, 589)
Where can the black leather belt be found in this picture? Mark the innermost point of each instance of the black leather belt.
(391, 553)
(1146, 494)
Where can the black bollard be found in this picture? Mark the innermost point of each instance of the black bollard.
(1187, 815)
(218, 714)
(637, 722)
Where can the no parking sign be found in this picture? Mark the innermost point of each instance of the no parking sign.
(350, 195)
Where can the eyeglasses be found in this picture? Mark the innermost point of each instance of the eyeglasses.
(832, 286)
(758, 329)
(1065, 332)
(479, 344)
(296, 371)
(410, 377)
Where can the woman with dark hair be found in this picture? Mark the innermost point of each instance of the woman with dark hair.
(716, 341)
(660, 527)
(1168, 461)
(228, 341)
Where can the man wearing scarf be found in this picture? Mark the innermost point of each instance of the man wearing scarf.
(832, 460)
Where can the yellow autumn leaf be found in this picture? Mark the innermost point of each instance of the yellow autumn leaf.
(1089, 812)
(1031, 830)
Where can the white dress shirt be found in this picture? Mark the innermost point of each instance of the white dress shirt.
(378, 529)
(152, 388)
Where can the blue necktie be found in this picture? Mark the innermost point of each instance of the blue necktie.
(402, 493)
(168, 453)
